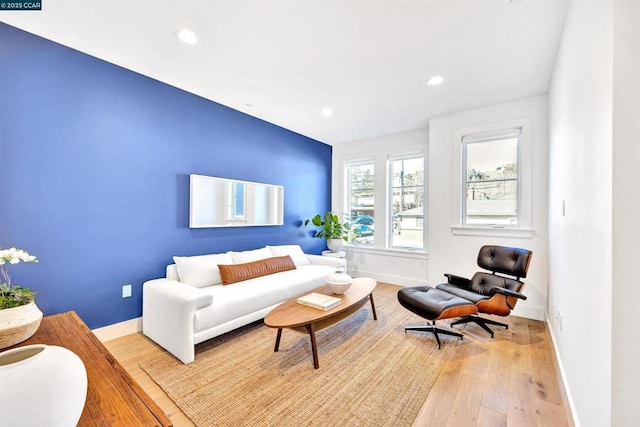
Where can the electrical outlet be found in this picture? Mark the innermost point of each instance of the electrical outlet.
(126, 291)
(559, 319)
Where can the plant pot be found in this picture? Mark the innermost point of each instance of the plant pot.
(335, 245)
(18, 324)
(42, 385)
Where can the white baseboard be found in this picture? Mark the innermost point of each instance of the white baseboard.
(117, 330)
(534, 313)
(563, 375)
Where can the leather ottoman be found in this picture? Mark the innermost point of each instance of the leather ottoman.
(434, 304)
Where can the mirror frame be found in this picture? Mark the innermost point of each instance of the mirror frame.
(222, 202)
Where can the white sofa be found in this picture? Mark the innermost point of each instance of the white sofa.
(191, 305)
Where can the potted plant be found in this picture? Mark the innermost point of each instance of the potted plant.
(19, 315)
(332, 229)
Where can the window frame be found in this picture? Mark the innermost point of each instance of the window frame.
(346, 211)
(524, 228)
(382, 222)
(483, 137)
(389, 200)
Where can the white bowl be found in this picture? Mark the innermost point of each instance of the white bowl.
(339, 288)
(339, 282)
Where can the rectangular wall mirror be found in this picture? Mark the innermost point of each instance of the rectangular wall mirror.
(221, 202)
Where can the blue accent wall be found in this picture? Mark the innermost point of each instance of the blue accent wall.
(94, 176)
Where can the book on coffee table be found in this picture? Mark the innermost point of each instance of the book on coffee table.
(319, 301)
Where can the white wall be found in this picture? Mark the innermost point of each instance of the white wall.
(452, 253)
(625, 405)
(391, 266)
(580, 247)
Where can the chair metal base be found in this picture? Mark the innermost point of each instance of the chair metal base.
(480, 321)
(433, 328)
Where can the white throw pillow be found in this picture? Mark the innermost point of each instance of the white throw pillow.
(201, 270)
(250, 256)
(294, 251)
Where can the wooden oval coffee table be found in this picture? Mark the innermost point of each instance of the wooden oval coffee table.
(310, 320)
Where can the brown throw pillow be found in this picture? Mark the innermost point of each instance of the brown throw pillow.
(277, 264)
(233, 273)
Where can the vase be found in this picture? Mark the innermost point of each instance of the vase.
(335, 245)
(18, 324)
(339, 282)
(42, 385)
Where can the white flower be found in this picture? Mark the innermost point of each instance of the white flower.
(13, 256)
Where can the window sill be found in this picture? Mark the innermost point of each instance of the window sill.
(400, 253)
(525, 233)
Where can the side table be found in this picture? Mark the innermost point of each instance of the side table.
(340, 254)
(113, 396)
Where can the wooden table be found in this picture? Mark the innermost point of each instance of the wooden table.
(113, 396)
(310, 320)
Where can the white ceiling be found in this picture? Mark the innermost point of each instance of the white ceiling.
(283, 61)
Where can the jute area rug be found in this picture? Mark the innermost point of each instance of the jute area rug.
(371, 373)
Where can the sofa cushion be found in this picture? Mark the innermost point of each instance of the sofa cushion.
(201, 270)
(249, 256)
(234, 273)
(294, 251)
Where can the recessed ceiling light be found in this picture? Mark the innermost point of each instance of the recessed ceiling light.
(435, 80)
(326, 111)
(187, 36)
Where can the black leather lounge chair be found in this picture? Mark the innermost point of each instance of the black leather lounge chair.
(486, 292)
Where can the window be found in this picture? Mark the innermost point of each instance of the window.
(384, 200)
(406, 193)
(238, 198)
(360, 200)
(236, 201)
(491, 179)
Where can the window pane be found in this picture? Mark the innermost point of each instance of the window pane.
(407, 202)
(492, 182)
(361, 202)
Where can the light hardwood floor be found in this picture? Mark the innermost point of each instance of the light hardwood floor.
(510, 380)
